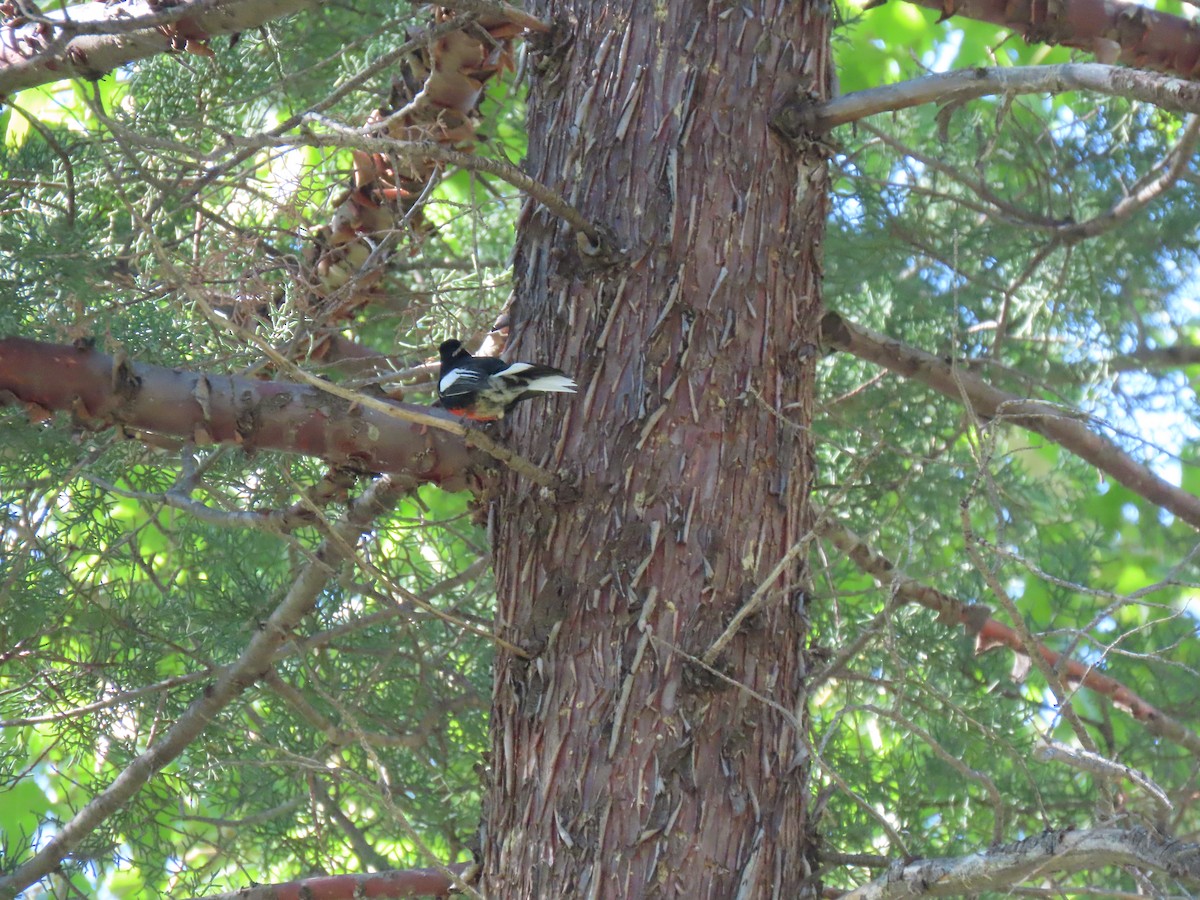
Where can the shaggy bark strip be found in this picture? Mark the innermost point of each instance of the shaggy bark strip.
(393, 885)
(619, 769)
(347, 258)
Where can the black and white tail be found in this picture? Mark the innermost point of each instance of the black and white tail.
(481, 387)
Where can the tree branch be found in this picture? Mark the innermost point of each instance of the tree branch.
(383, 885)
(989, 634)
(1148, 189)
(32, 54)
(1053, 851)
(1113, 30)
(290, 649)
(255, 660)
(102, 391)
(1104, 768)
(802, 116)
(1172, 357)
(1064, 426)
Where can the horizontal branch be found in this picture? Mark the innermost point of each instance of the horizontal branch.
(37, 53)
(1085, 761)
(102, 391)
(1001, 868)
(1061, 425)
(1170, 93)
(383, 885)
(1114, 30)
(1171, 357)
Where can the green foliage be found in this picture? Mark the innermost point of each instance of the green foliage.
(116, 606)
(119, 601)
(943, 236)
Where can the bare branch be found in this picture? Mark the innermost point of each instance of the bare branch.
(424, 417)
(1060, 424)
(498, 10)
(31, 54)
(802, 115)
(989, 634)
(1113, 30)
(1105, 768)
(1000, 868)
(1148, 189)
(390, 885)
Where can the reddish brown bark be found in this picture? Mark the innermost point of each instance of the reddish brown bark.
(990, 634)
(33, 53)
(344, 262)
(1112, 29)
(380, 885)
(996, 634)
(102, 391)
(621, 768)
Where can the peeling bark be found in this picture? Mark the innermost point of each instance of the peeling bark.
(102, 391)
(96, 39)
(348, 257)
(621, 767)
(380, 885)
(1113, 30)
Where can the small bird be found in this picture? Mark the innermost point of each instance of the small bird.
(484, 388)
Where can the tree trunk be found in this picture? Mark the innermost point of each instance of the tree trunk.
(622, 767)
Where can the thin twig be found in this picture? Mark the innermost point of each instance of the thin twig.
(1152, 186)
(1104, 767)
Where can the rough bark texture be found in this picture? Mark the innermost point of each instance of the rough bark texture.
(1113, 30)
(620, 767)
(102, 391)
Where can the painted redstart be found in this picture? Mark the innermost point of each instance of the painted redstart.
(484, 388)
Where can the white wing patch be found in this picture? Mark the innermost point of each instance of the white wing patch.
(470, 381)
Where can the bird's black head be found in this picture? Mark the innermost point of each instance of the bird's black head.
(452, 350)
